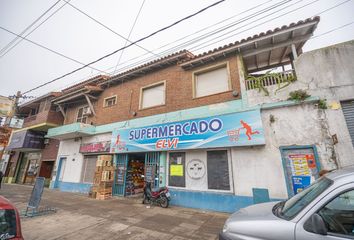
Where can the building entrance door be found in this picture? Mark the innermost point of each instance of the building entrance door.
(21, 169)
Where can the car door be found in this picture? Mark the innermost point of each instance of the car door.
(336, 210)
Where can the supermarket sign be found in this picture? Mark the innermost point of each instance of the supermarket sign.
(236, 129)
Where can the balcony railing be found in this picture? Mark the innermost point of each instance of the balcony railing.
(44, 117)
(268, 79)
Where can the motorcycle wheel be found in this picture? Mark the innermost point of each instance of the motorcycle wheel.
(164, 202)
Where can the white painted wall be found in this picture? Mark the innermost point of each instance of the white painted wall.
(327, 73)
(261, 166)
(69, 148)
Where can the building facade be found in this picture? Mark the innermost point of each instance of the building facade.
(31, 154)
(214, 128)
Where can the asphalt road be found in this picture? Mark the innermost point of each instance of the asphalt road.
(80, 217)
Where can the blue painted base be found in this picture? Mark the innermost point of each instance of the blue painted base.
(221, 202)
(73, 187)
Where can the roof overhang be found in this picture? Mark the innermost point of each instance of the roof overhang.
(266, 50)
(88, 90)
(71, 131)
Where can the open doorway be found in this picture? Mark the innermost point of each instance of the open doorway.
(134, 180)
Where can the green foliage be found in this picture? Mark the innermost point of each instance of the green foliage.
(322, 104)
(258, 81)
(298, 95)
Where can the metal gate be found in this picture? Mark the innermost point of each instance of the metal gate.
(121, 163)
(348, 111)
(152, 160)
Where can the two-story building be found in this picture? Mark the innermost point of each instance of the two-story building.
(219, 129)
(32, 154)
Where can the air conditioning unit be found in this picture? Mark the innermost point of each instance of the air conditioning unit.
(86, 111)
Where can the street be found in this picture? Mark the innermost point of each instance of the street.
(80, 217)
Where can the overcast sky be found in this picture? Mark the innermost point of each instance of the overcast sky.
(75, 35)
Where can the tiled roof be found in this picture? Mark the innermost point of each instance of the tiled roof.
(253, 38)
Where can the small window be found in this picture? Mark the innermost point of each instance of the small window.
(218, 170)
(110, 101)
(152, 95)
(210, 82)
(88, 169)
(338, 215)
(82, 114)
(34, 111)
(176, 172)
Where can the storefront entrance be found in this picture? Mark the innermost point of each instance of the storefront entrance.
(128, 180)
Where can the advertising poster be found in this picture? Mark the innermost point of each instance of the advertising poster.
(236, 129)
(300, 183)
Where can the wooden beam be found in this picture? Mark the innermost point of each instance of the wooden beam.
(90, 104)
(270, 47)
(90, 96)
(62, 110)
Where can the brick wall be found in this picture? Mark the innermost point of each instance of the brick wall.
(44, 117)
(50, 150)
(179, 95)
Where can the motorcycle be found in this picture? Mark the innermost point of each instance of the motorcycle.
(159, 196)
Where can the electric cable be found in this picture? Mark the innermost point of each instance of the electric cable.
(28, 27)
(53, 51)
(130, 32)
(129, 45)
(332, 30)
(108, 28)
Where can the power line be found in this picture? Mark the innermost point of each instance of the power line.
(110, 29)
(332, 30)
(53, 51)
(129, 45)
(130, 32)
(32, 30)
(28, 27)
(175, 48)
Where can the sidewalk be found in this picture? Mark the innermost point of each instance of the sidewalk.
(80, 217)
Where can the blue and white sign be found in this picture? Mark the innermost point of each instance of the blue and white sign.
(236, 129)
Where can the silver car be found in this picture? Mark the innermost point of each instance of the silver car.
(325, 210)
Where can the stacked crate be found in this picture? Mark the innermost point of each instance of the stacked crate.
(103, 180)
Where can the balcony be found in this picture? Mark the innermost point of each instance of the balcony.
(258, 81)
(46, 118)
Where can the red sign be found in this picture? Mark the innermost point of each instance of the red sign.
(95, 147)
(311, 160)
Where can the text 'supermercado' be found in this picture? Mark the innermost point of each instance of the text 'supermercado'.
(236, 129)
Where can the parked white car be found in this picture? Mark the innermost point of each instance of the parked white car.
(325, 210)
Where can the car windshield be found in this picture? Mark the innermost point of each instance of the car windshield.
(7, 223)
(294, 205)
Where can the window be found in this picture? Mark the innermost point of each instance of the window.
(218, 170)
(298, 202)
(82, 114)
(176, 171)
(153, 95)
(208, 82)
(88, 169)
(110, 101)
(34, 111)
(338, 215)
(7, 223)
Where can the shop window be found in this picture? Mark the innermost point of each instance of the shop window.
(218, 170)
(338, 215)
(176, 171)
(82, 114)
(88, 169)
(211, 81)
(153, 95)
(110, 101)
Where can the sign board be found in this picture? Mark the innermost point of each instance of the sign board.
(37, 191)
(150, 173)
(6, 106)
(176, 170)
(236, 129)
(27, 139)
(15, 122)
(120, 175)
(300, 183)
(95, 147)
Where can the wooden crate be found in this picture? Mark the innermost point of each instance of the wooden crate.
(103, 196)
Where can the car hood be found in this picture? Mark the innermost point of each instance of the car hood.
(258, 222)
(261, 211)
